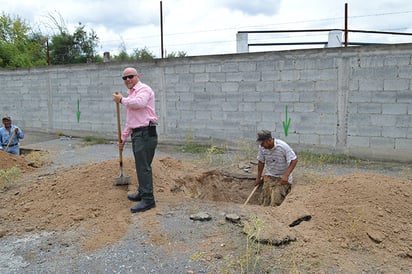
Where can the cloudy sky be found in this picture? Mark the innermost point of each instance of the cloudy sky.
(203, 27)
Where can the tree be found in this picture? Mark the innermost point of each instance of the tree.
(122, 56)
(137, 55)
(142, 54)
(61, 49)
(78, 47)
(177, 54)
(85, 43)
(20, 46)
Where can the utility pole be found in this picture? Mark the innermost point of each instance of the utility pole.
(47, 51)
(346, 25)
(161, 29)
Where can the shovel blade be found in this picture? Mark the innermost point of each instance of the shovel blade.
(121, 180)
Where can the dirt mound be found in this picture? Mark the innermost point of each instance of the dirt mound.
(360, 214)
(364, 211)
(351, 214)
(8, 161)
(25, 162)
(84, 196)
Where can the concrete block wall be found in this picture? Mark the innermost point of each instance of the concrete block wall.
(380, 104)
(355, 100)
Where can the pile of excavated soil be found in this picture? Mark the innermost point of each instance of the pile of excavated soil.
(25, 162)
(356, 219)
(9, 161)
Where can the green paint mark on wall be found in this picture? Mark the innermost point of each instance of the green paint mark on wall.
(78, 110)
(286, 124)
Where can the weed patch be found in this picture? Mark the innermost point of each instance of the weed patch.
(92, 140)
(8, 176)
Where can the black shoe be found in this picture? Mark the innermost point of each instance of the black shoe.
(143, 206)
(134, 197)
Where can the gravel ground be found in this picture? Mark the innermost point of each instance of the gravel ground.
(59, 252)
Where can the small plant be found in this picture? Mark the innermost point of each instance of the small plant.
(251, 260)
(92, 140)
(213, 150)
(7, 176)
(214, 155)
(192, 147)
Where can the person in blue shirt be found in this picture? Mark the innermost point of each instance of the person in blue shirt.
(9, 136)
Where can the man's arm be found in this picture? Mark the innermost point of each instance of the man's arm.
(259, 180)
(19, 133)
(292, 165)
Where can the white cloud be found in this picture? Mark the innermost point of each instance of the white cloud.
(256, 7)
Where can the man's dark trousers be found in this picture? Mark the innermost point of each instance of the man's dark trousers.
(144, 143)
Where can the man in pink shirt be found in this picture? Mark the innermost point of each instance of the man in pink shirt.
(141, 121)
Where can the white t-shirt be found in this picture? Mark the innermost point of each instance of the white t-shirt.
(277, 159)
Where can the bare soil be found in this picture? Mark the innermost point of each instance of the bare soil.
(360, 221)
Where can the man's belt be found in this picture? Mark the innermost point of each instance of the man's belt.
(139, 129)
(11, 145)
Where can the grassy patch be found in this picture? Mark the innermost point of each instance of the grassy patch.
(320, 159)
(7, 176)
(194, 148)
(191, 147)
(92, 140)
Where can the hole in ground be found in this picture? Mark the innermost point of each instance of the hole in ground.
(224, 186)
(27, 151)
(34, 157)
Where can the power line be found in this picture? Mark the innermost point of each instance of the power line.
(288, 23)
(235, 28)
(260, 26)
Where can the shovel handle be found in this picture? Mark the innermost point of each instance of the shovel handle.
(11, 139)
(119, 134)
(251, 194)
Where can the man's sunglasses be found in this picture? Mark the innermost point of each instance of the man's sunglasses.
(128, 77)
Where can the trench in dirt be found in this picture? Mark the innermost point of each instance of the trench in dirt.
(222, 186)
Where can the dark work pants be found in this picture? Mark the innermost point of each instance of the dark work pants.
(144, 147)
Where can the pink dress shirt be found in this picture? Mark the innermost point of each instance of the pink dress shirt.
(140, 108)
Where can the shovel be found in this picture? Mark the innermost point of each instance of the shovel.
(121, 180)
(251, 194)
(10, 140)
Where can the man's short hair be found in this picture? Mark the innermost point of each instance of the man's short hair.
(263, 135)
